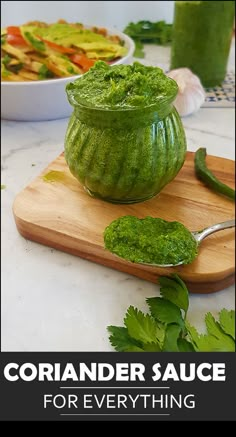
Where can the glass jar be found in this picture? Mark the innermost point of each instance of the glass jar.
(202, 33)
(125, 156)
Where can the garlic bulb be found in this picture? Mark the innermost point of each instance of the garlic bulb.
(191, 93)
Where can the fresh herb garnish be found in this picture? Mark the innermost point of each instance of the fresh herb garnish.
(166, 329)
(147, 32)
(71, 70)
(3, 38)
(216, 339)
(11, 65)
(4, 71)
(3, 187)
(36, 43)
(6, 59)
(44, 73)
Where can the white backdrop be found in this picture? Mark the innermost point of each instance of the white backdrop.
(105, 13)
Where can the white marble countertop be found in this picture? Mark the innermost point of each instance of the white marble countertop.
(52, 301)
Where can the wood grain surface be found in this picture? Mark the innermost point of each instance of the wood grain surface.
(63, 216)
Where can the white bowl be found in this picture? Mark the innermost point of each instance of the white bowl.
(45, 100)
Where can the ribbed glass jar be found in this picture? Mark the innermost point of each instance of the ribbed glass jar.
(125, 156)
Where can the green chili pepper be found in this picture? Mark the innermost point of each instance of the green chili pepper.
(204, 174)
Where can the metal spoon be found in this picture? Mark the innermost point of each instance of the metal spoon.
(199, 236)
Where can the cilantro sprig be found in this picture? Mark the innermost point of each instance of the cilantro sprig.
(146, 32)
(166, 328)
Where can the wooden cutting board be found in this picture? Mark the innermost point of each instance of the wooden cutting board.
(62, 215)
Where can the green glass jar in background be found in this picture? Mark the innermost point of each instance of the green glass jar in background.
(202, 34)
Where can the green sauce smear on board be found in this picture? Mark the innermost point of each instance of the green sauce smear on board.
(150, 240)
(54, 176)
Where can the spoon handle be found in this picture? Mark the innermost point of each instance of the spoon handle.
(200, 235)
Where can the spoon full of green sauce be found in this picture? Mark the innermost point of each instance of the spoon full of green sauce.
(156, 242)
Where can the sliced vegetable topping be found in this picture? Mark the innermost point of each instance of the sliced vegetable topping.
(39, 51)
(82, 61)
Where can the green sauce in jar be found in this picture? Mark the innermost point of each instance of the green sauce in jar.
(150, 240)
(125, 140)
(123, 87)
(202, 34)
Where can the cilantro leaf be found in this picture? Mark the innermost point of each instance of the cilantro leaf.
(185, 345)
(227, 322)
(210, 343)
(121, 341)
(171, 338)
(3, 187)
(200, 342)
(151, 347)
(174, 290)
(140, 326)
(165, 330)
(158, 32)
(164, 311)
(215, 330)
(160, 332)
(148, 32)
